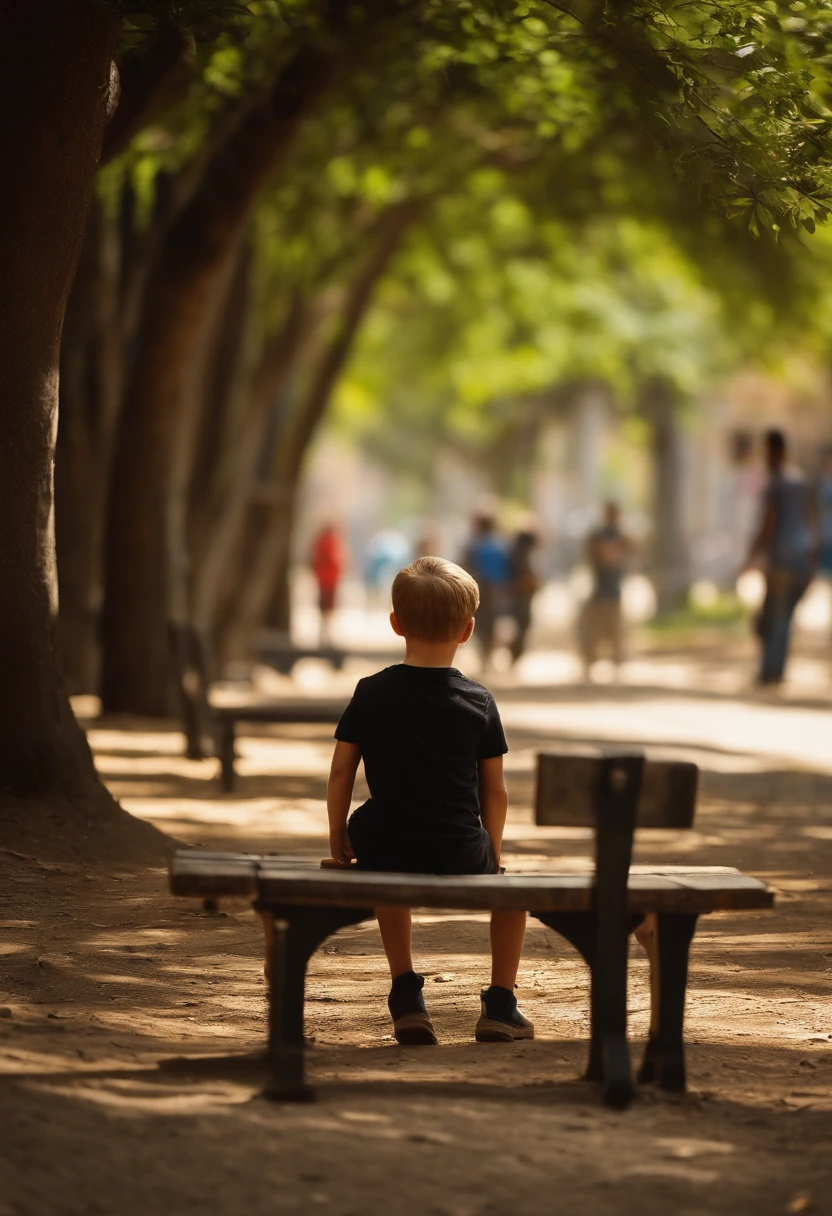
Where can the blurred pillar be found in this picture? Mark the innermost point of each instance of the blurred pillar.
(670, 555)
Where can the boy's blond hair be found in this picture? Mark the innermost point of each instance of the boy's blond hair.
(433, 600)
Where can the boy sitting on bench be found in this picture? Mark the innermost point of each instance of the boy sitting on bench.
(432, 745)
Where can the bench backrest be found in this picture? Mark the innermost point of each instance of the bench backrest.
(191, 667)
(566, 790)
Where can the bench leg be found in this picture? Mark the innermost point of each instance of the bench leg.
(609, 1020)
(579, 929)
(664, 1057)
(609, 1056)
(226, 748)
(193, 735)
(296, 934)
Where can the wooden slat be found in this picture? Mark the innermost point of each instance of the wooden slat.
(304, 712)
(687, 869)
(476, 891)
(701, 892)
(566, 783)
(206, 878)
(287, 880)
(534, 893)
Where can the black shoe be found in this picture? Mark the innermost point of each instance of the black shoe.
(501, 1021)
(411, 1024)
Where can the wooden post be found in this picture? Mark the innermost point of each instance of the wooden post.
(619, 783)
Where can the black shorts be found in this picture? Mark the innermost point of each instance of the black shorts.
(379, 851)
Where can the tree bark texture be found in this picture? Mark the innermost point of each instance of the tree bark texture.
(225, 373)
(140, 595)
(269, 566)
(55, 61)
(90, 393)
(99, 329)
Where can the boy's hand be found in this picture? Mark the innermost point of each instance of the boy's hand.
(340, 847)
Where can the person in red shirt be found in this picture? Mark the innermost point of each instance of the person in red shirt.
(327, 563)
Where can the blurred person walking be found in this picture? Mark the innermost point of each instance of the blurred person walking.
(524, 585)
(600, 622)
(486, 558)
(387, 551)
(327, 561)
(785, 546)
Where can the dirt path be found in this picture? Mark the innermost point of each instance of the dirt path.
(130, 1023)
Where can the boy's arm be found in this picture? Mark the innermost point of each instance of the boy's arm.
(493, 800)
(339, 789)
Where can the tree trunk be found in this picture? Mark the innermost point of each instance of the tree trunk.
(90, 390)
(55, 78)
(670, 558)
(140, 594)
(225, 373)
(236, 480)
(99, 326)
(269, 569)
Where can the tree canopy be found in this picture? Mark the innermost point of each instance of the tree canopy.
(444, 208)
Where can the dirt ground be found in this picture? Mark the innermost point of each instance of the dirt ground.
(132, 1024)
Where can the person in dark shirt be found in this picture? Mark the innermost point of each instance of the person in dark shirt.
(785, 543)
(432, 745)
(525, 583)
(601, 620)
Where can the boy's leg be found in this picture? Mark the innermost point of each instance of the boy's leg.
(645, 935)
(508, 930)
(501, 1021)
(396, 932)
(411, 1024)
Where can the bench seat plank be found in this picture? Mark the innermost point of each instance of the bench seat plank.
(273, 881)
(210, 878)
(304, 711)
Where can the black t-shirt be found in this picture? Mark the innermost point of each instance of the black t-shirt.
(421, 731)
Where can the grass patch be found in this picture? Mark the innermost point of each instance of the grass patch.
(725, 611)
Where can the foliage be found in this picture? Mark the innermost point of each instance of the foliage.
(206, 19)
(594, 176)
(742, 91)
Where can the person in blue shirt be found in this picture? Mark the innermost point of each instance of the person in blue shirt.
(487, 560)
(786, 547)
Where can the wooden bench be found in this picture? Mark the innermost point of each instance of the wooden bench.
(281, 653)
(595, 912)
(211, 729)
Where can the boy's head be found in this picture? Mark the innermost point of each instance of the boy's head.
(434, 601)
